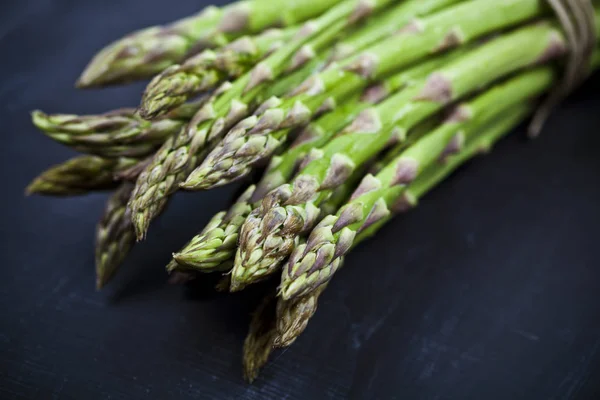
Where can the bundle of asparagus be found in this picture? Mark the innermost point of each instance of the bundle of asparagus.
(357, 108)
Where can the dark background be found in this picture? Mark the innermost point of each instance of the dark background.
(489, 290)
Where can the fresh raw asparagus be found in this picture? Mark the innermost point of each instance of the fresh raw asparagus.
(218, 241)
(147, 52)
(205, 71)
(183, 152)
(115, 235)
(294, 315)
(312, 264)
(258, 136)
(213, 250)
(214, 247)
(230, 162)
(272, 229)
(119, 133)
(80, 175)
(387, 23)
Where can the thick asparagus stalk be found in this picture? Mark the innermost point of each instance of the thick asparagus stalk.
(385, 24)
(115, 235)
(272, 229)
(258, 136)
(183, 152)
(147, 52)
(80, 175)
(205, 71)
(119, 133)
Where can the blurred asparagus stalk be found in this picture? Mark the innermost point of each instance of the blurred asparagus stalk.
(149, 51)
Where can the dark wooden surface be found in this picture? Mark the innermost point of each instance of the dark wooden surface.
(489, 290)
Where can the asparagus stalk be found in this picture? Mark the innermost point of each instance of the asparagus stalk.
(115, 235)
(272, 230)
(211, 250)
(260, 339)
(149, 51)
(205, 71)
(80, 175)
(118, 133)
(229, 162)
(258, 136)
(183, 152)
(294, 315)
(386, 24)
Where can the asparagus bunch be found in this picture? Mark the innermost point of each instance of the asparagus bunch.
(257, 137)
(206, 70)
(184, 151)
(357, 108)
(290, 210)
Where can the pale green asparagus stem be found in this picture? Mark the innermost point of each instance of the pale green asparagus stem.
(272, 230)
(258, 136)
(147, 52)
(115, 235)
(385, 24)
(80, 175)
(119, 133)
(181, 154)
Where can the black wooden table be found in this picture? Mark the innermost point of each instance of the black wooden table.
(489, 290)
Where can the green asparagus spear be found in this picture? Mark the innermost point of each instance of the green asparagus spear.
(293, 316)
(115, 235)
(205, 71)
(183, 152)
(80, 175)
(149, 51)
(119, 133)
(257, 137)
(272, 229)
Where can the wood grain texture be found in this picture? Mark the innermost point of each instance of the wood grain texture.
(489, 290)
